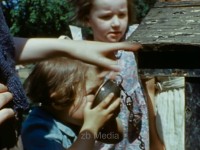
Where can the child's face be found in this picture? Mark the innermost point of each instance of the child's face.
(109, 20)
(76, 111)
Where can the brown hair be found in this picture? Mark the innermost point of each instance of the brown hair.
(61, 75)
(83, 8)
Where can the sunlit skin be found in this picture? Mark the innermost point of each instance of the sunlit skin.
(5, 97)
(76, 110)
(108, 20)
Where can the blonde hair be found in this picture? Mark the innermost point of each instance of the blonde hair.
(83, 8)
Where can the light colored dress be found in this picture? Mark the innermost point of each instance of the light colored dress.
(132, 86)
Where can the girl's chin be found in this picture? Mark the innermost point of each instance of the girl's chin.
(113, 40)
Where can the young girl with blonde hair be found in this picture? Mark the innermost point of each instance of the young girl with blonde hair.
(109, 21)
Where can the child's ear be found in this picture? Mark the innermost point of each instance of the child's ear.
(57, 107)
(53, 95)
(53, 104)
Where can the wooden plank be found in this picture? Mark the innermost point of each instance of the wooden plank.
(169, 26)
(171, 41)
(170, 34)
(178, 3)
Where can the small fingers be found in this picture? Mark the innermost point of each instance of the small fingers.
(3, 88)
(5, 98)
(110, 111)
(108, 63)
(88, 105)
(114, 67)
(89, 101)
(130, 46)
(116, 104)
(106, 102)
(5, 114)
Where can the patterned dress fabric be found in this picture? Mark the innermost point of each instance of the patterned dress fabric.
(132, 86)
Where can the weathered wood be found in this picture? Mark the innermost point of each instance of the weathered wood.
(170, 35)
(178, 3)
(169, 26)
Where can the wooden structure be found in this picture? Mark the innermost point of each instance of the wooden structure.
(171, 38)
(170, 35)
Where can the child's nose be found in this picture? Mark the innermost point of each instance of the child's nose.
(115, 21)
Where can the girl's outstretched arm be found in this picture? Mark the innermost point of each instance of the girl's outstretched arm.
(34, 49)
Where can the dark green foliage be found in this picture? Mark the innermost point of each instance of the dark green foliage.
(42, 18)
(7, 6)
(34, 18)
(142, 8)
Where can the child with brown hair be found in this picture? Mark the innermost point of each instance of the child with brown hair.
(22, 50)
(62, 90)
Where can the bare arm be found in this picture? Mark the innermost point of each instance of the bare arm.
(34, 49)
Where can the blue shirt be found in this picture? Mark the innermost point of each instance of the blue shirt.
(40, 131)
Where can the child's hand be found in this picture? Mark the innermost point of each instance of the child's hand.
(95, 118)
(97, 53)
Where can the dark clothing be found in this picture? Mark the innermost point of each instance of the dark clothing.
(8, 76)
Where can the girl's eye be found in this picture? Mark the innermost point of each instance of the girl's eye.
(122, 15)
(105, 17)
